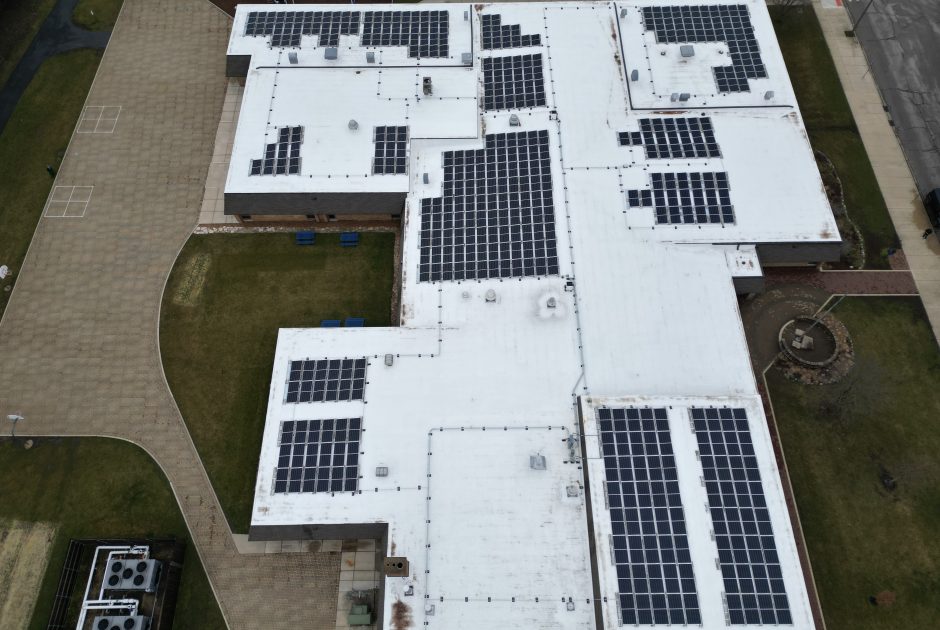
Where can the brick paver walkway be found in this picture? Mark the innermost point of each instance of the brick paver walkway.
(844, 282)
(78, 342)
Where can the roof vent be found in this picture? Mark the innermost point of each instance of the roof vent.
(686, 50)
(769, 94)
(292, 58)
(466, 16)
(396, 566)
(634, 75)
(426, 85)
(537, 462)
(623, 13)
(573, 490)
(331, 53)
(490, 295)
(570, 604)
(674, 97)
(370, 57)
(466, 59)
(426, 179)
(389, 359)
(514, 121)
(353, 125)
(381, 471)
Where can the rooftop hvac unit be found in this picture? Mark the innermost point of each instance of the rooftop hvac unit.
(292, 58)
(514, 121)
(686, 50)
(132, 574)
(370, 57)
(466, 59)
(635, 75)
(330, 53)
(537, 462)
(136, 622)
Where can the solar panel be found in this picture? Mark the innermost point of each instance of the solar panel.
(675, 137)
(747, 553)
(325, 380)
(391, 145)
(496, 35)
(656, 583)
(513, 82)
(496, 217)
(287, 27)
(318, 456)
(425, 33)
(716, 23)
(686, 198)
(281, 157)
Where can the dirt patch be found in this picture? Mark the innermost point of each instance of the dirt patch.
(401, 616)
(24, 553)
(192, 280)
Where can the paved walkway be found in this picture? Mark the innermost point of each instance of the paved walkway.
(79, 353)
(844, 282)
(891, 171)
(56, 35)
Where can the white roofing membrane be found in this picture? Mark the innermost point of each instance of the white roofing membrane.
(645, 313)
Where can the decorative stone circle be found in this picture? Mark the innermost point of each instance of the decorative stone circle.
(815, 350)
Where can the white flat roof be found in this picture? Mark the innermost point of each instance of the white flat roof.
(488, 372)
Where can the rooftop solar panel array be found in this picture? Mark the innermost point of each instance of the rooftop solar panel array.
(513, 82)
(326, 380)
(318, 456)
(747, 552)
(496, 35)
(496, 217)
(281, 157)
(287, 27)
(425, 33)
(713, 23)
(676, 137)
(391, 147)
(656, 583)
(686, 198)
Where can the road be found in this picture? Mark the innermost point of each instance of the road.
(901, 39)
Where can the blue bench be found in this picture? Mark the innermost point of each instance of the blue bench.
(349, 239)
(305, 238)
(329, 323)
(355, 322)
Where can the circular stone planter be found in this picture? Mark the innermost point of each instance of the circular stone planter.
(827, 359)
(819, 348)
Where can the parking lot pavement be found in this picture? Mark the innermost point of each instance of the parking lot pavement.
(901, 39)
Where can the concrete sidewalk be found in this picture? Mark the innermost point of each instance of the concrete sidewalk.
(891, 170)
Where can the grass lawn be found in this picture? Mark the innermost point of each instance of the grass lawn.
(96, 15)
(36, 135)
(832, 128)
(63, 481)
(19, 22)
(225, 300)
(840, 438)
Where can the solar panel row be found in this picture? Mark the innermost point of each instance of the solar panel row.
(391, 147)
(425, 33)
(713, 23)
(496, 35)
(281, 157)
(674, 137)
(747, 552)
(513, 82)
(656, 583)
(326, 380)
(287, 27)
(496, 216)
(686, 198)
(318, 456)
